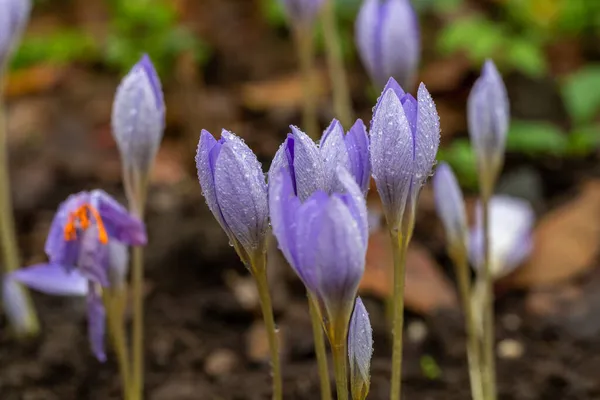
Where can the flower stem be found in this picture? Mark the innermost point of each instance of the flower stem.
(473, 345)
(320, 350)
(306, 55)
(259, 271)
(138, 322)
(488, 356)
(8, 236)
(399, 248)
(340, 357)
(114, 301)
(337, 73)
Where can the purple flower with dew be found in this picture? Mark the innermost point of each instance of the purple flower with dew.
(302, 12)
(324, 238)
(14, 15)
(88, 228)
(511, 235)
(388, 40)
(360, 351)
(451, 208)
(313, 167)
(488, 117)
(405, 135)
(138, 120)
(234, 187)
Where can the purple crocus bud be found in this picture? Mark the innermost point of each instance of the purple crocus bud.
(451, 208)
(324, 239)
(360, 351)
(78, 246)
(488, 117)
(302, 12)
(138, 122)
(14, 15)
(388, 40)
(405, 135)
(511, 223)
(234, 187)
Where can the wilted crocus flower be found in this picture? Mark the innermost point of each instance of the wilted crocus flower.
(234, 187)
(488, 116)
(302, 12)
(138, 122)
(511, 224)
(405, 135)
(88, 228)
(14, 15)
(451, 208)
(324, 238)
(388, 40)
(360, 350)
(313, 167)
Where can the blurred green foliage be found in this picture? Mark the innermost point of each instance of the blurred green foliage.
(135, 27)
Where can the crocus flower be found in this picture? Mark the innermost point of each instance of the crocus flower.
(234, 187)
(451, 208)
(14, 15)
(405, 135)
(138, 122)
(388, 40)
(511, 223)
(87, 228)
(360, 350)
(313, 167)
(302, 12)
(488, 117)
(324, 238)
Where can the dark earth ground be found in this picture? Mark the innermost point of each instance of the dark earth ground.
(203, 341)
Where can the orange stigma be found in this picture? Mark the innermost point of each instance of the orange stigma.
(82, 215)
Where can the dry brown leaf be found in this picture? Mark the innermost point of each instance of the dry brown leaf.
(427, 289)
(35, 79)
(446, 74)
(282, 92)
(566, 242)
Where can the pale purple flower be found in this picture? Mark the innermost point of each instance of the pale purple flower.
(138, 119)
(488, 117)
(405, 135)
(451, 207)
(313, 167)
(302, 12)
(388, 40)
(324, 238)
(234, 187)
(14, 15)
(79, 247)
(360, 351)
(15, 305)
(511, 223)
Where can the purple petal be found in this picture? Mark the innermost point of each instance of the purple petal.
(355, 201)
(242, 192)
(368, 31)
(15, 304)
(488, 117)
(93, 257)
(96, 321)
(138, 116)
(14, 15)
(52, 279)
(391, 84)
(119, 223)
(334, 152)
(357, 143)
(410, 105)
(59, 250)
(118, 264)
(308, 165)
(450, 205)
(391, 155)
(427, 139)
(360, 350)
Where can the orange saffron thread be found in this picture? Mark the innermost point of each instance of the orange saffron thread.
(82, 215)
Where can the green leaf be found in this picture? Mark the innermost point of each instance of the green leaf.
(430, 368)
(536, 138)
(582, 94)
(526, 56)
(477, 36)
(461, 157)
(584, 140)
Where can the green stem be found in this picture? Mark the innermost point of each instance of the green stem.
(320, 350)
(138, 322)
(8, 236)
(399, 248)
(306, 56)
(259, 271)
(489, 362)
(337, 73)
(340, 357)
(473, 346)
(113, 302)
